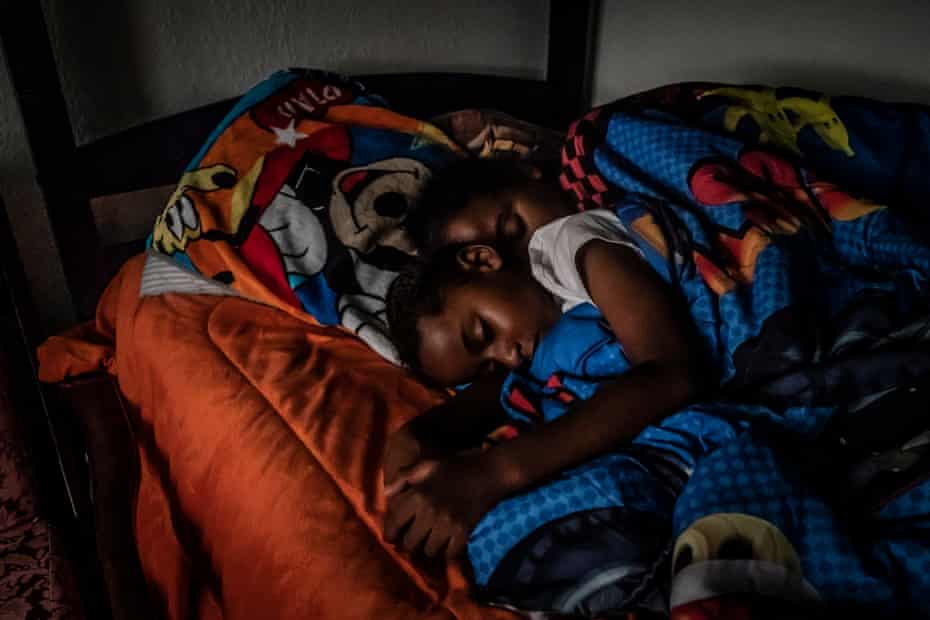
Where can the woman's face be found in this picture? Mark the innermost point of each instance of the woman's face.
(508, 217)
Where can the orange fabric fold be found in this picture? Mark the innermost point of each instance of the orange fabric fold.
(261, 437)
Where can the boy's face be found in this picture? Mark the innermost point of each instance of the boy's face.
(508, 217)
(492, 322)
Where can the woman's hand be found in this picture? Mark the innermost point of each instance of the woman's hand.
(440, 502)
(402, 452)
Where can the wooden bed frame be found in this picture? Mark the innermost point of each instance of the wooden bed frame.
(101, 199)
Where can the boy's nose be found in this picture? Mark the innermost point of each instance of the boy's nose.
(508, 354)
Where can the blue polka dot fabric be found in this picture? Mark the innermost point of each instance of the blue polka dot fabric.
(873, 563)
(760, 248)
(779, 269)
(791, 283)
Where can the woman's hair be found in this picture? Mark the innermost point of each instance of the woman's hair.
(420, 291)
(450, 189)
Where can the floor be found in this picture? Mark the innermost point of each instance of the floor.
(36, 581)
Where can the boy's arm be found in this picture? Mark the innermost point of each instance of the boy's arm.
(449, 497)
(658, 340)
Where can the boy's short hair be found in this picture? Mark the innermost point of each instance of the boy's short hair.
(450, 189)
(419, 291)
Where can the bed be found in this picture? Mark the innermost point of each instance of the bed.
(234, 435)
(101, 198)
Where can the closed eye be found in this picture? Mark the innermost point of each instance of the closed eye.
(478, 336)
(509, 224)
(487, 367)
(485, 333)
(484, 338)
(501, 224)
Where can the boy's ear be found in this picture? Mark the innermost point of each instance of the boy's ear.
(476, 257)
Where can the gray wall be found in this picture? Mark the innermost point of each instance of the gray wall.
(877, 48)
(127, 61)
(156, 57)
(25, 209)
(123, 62)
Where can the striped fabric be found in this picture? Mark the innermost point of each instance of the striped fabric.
(163, 275)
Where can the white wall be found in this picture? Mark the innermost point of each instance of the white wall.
(877, 48)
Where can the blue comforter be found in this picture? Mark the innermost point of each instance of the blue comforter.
(812, 302)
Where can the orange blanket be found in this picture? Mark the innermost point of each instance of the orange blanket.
(261, 445)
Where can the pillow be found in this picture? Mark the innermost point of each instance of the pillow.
(495, 135)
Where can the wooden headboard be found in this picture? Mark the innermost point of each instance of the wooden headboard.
(86, 188)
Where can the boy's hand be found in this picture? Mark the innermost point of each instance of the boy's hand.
(440, 502)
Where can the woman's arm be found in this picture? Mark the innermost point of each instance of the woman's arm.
(464, 420)
(461, 422)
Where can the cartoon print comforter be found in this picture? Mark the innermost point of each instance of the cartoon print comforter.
(814, 308)
(596, 538)
(296, 201)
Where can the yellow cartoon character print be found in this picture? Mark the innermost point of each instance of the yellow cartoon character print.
(734, 536)
(179, 223)
(822, 119)
(781, 120)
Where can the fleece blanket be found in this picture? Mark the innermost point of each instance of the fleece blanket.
(812, 301)
(296, 201)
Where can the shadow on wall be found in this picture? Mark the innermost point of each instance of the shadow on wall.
(100, 40)
(810, 75)
(367, 66)
(830, 80)
(106, 45)
(25, 210)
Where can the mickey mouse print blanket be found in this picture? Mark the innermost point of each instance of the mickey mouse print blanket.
(296, 201)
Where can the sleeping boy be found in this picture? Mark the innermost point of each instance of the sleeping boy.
(513, 259)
